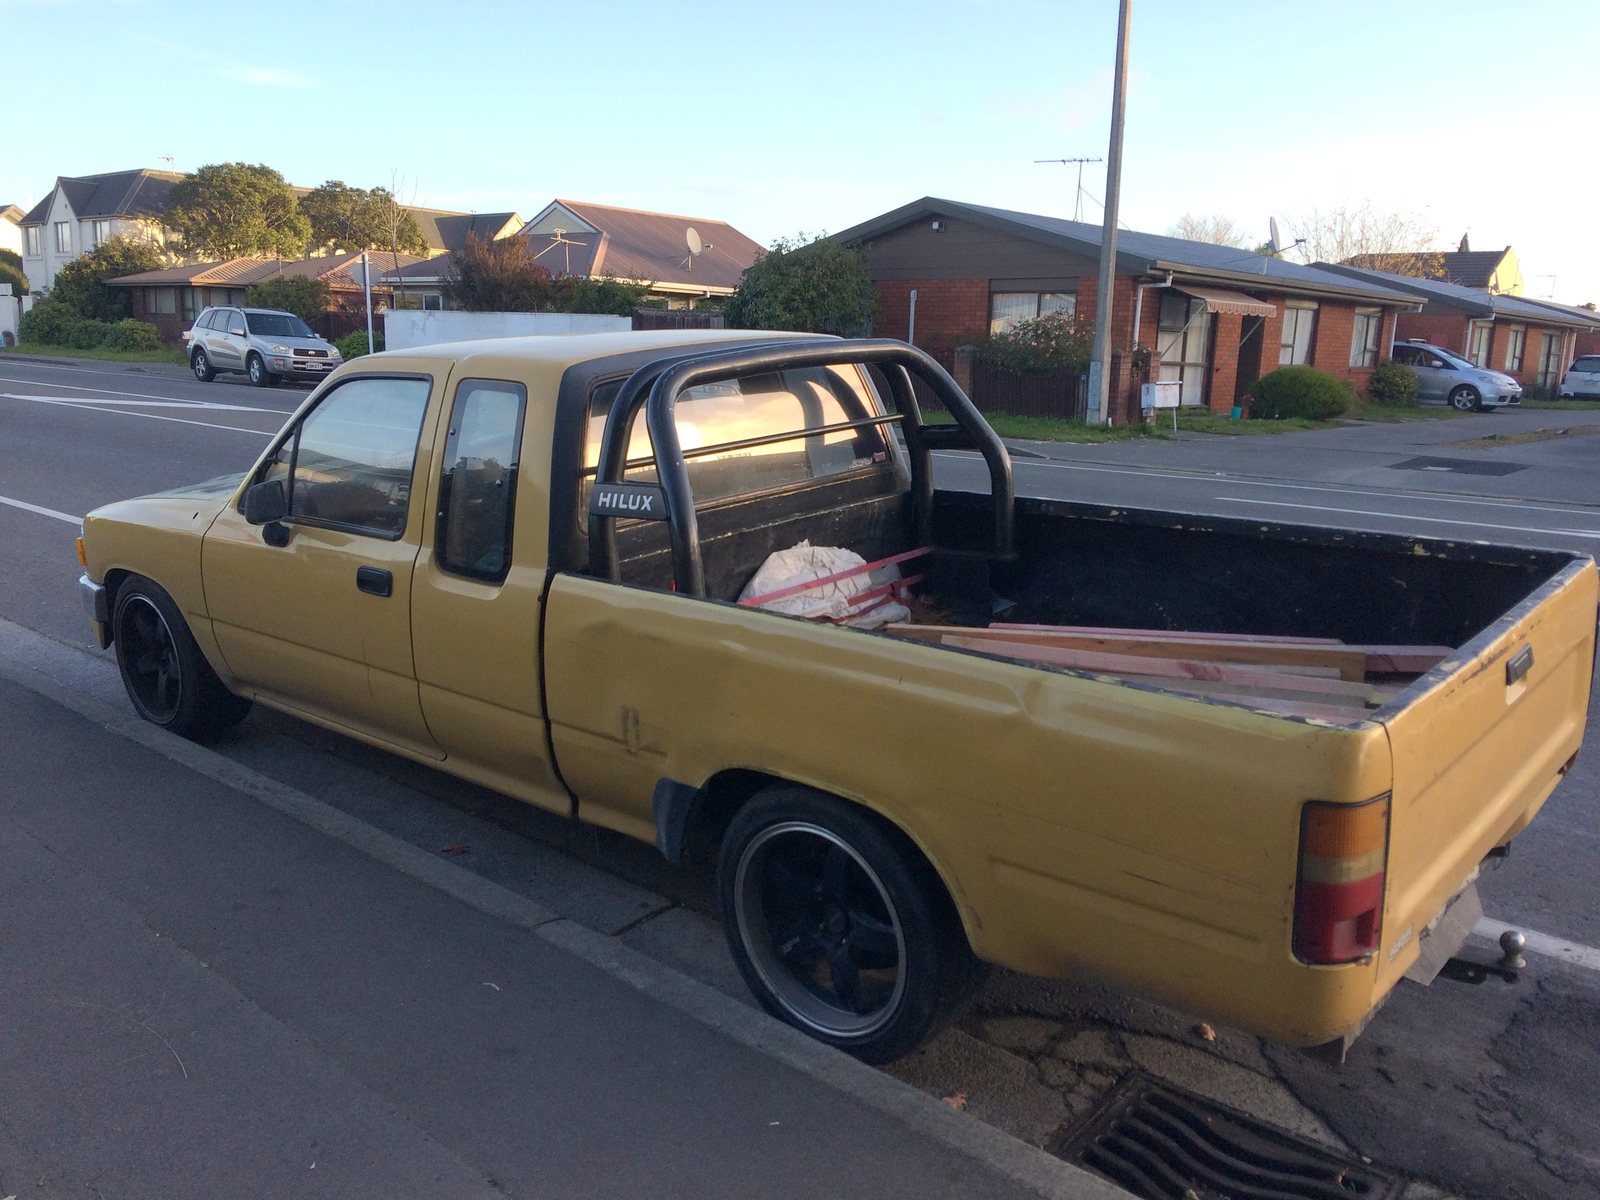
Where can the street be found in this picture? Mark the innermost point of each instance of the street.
(363, 995)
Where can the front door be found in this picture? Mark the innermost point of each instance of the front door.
(225, 339)
(322, 623)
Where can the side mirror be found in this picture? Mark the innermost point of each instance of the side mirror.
(265, 503)
(237, 331)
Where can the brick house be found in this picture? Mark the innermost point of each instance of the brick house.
(1534, 341)
(1215, 318)
(171, 298)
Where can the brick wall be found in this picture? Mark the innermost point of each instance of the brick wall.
(1441, 329)
(171, 327)
(1225, 361)
(948, 310)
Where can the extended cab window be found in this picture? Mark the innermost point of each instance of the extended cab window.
(756, 406)
(349, 462)
(478, 488)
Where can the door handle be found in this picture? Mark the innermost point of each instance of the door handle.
(375, 581)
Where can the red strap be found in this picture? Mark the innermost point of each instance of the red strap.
(796, 589)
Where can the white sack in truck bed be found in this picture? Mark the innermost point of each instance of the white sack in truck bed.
(843, 586)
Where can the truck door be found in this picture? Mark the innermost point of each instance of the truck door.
(475, 599)
(321, 621)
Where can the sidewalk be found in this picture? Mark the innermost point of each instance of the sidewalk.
(205, 996)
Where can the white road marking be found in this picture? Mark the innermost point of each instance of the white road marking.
(1542, 943)
(80, 406)
(1361, 512)
(41, 510)
(148, 402)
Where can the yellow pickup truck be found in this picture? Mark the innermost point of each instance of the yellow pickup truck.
(521, 561)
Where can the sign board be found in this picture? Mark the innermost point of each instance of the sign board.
(1168, 393)
(641, 501)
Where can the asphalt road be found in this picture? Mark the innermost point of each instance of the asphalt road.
(1486, 1090)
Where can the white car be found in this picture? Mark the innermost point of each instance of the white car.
(1582, 378)
(1443, 375)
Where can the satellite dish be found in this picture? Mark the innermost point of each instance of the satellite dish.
(1272, 241)
(696, 246)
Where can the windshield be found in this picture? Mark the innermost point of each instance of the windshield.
(278, 325)
(1455, 360)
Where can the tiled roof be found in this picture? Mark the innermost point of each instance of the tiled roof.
(1137, 253)
(332, 269)
(1473, 301)
(1468, 268)
(647, 246)
(140, 193)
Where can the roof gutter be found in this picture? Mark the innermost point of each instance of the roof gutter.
(1253, 282)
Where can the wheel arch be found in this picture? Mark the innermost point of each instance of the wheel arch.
(691, 821)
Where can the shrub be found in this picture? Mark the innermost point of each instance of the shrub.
(1299, 392)
(1043, 346)
(48, 322)
(816, 285)
(299, 294)
(133, 335)
(88, 333)
(354, 345)
(81, 284)
(1392, 383)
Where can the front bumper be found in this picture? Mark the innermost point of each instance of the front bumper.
(97, 604)
(305, 368)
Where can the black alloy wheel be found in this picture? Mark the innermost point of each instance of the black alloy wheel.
(164, 670)
(839, 927)
(200, 364)
(1465, 399)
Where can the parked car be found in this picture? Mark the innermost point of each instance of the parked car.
(1444, 377)
(524, 562)
(1582, 378)
(267, 345)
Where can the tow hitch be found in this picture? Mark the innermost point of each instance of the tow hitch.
(1509, 967)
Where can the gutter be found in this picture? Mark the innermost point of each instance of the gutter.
(1253, 282)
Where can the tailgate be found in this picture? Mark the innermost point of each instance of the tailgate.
(1480, 748)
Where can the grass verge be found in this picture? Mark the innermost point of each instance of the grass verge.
(99, 352)
(1563, 405)
(1050, 429)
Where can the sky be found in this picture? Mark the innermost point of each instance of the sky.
(791, 118)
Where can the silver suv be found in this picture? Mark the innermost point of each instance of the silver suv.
(263, 343)
(1444, 376)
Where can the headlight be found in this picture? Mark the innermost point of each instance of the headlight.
(277, 349)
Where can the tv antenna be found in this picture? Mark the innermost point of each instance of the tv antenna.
(166, 158)
(694, 245)
(1077, 204)
(558, 237)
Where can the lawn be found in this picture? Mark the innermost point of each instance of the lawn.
(1563, 405)
(1050, 429)
(99, 352)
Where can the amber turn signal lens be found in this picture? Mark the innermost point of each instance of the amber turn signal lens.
(83, 557)
(1344, 850)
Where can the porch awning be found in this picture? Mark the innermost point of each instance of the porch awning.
(1219, 300)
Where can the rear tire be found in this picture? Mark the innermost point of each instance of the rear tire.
(200, 364)
(1465, 399)
(839, 926)
(167, 676)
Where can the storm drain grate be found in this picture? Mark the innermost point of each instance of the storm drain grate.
(1458, 466)
(1165, 1144)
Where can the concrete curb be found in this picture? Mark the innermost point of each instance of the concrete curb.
(1041, 1173)
(173, 370)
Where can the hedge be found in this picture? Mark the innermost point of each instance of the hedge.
(51, 323)
(1299, 392)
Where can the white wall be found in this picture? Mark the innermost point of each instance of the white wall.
(405, 328)
(10, 236)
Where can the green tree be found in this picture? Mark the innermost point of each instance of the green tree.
(499, 276)
(11, 272)
(81, 284)
(616, 297)
(229, 209)
(346, 218)
(816, 286)
(300, 294)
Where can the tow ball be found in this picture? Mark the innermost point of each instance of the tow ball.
(1510, 967)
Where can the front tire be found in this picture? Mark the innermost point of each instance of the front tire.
(1465, 399)
(167, 676)
(838, 925)
(259, 375)
(200, 364)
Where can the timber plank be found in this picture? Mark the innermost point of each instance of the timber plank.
(1197, 635)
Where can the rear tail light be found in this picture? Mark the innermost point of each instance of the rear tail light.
(1338, 912)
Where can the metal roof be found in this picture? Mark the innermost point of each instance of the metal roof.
(332, 269)
(647, 246)
(1140, 253)
(1473, 301)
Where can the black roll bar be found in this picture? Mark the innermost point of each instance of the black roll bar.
(669, 378)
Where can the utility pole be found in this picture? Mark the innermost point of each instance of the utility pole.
(1099, 383)
(1077, 200)
(366, 286)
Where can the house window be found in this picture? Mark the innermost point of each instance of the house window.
(432, 301)
(1550, 359)
(1516, 342)
(63, 237)
(1294, 349)
(1478, 352)
(33, 241)
(1007, 310)
(1182, 336)
(160, 301)
(100, 231)
(1364, 342)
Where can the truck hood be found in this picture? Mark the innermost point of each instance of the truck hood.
(200, 502)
